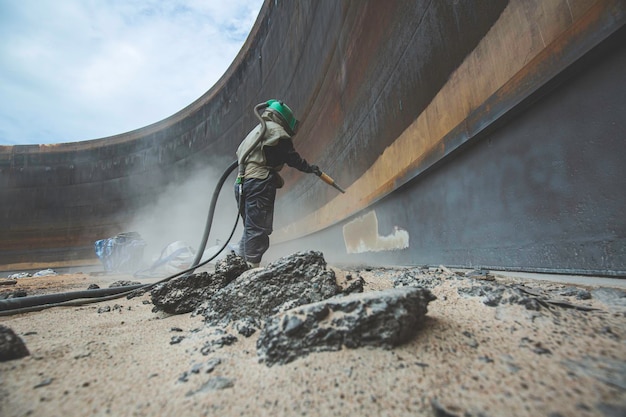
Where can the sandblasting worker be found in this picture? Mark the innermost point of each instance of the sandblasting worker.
(256, 188)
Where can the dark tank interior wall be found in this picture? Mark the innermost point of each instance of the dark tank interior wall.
(546, 192)
(389, 60)
(336, 63)
(58, 200)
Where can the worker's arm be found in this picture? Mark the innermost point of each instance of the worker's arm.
(285, 153)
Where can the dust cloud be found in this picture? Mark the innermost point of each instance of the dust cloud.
(180, 214)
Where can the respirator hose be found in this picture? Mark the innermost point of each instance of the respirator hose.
(20, 305)
(242, 161)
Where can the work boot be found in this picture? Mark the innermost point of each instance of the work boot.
(253, 265)
(234, 248)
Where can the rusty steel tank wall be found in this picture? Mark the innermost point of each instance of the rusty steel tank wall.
(541, 192)
(432, 115)
(558, 221)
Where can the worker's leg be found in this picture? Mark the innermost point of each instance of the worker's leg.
(237, 248)
(259, 217)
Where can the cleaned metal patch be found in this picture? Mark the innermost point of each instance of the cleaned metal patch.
(361, 235)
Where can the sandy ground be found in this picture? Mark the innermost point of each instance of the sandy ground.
(469, 359)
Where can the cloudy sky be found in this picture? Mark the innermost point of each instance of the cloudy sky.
(73, 70)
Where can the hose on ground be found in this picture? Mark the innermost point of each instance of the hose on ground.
(77, 298)
(20, 305)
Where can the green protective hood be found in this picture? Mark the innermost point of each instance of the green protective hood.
(285, 113)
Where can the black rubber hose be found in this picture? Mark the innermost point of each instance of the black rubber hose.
(74, 298)
(209, 220)
(35, 300)
(36, 303)
(220, 183)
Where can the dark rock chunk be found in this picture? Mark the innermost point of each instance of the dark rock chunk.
(245, 327)
(11, 345)
(199, 368)
(416, 277)
(355, 286)
(211, 364)
(185, 294)
(231, 267)
(176, 340)
(383, 318)
(535, 346)
(531, 304)
(472, 340)
(491, 295)
(104, 309)
(295, 280)
(540, 350)
(579, 293)
(217, 340)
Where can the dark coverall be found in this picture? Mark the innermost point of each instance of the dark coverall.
(257, 201)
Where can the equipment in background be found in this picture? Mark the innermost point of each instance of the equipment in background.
(121, 253)
(175, 257)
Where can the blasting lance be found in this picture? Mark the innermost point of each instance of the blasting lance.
(328, 180)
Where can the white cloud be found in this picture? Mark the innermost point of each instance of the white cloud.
(82, 69)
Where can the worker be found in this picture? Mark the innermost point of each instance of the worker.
(258, 180)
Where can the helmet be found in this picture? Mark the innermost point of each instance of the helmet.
(285, 113)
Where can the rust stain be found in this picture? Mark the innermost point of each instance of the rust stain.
(510, 60)
(424, 138)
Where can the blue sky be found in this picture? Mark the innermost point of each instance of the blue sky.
(73, 70)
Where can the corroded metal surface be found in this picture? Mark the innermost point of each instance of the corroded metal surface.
(390, 95)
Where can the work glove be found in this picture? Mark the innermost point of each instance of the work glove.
(316, 170)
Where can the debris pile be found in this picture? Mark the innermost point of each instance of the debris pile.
(383, 318)
(297, 304)
(184, 294)
(490, 335)
(289, 282)
(417, 277)
(494, 295)
(483, 284)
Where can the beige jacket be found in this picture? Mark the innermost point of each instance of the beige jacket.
(256, 164)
